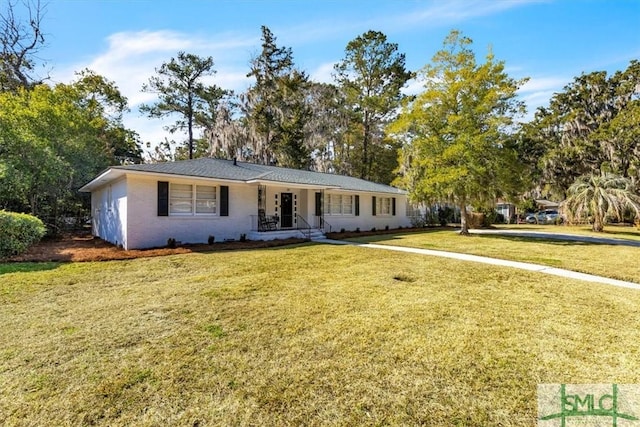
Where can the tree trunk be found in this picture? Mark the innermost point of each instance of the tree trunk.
(598, 224)
(364, 173)
(464, 223)
(190, 123)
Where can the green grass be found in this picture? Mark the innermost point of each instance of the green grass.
(311, 335)
(614, 261)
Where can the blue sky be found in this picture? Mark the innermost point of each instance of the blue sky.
(548, 41)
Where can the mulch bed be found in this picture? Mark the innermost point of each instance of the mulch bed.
(84, 247)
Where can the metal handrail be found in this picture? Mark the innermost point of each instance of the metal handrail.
(324, 224)
(308, 227)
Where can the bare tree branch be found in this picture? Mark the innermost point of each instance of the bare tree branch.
(21, 38)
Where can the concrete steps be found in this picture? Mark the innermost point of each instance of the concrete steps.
(316, 234)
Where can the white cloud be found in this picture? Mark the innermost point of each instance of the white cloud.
(132, 57)
(323, 73)
(538, 91)
(537, 84)
(413, 86)
(434, 13)
(444, 13)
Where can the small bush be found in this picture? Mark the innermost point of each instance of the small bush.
(211, 240)
(418, 221)
(243, 237)
(171, 243)
(446, 215)
(476, 219)
(18, 232)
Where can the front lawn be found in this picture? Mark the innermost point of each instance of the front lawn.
(309, 334)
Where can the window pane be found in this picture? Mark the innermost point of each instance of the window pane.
(335, 204)
(347, 205)
(386, 206)
(205, 199)
(180, 198)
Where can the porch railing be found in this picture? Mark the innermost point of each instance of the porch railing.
(265, 223)
(322, 224)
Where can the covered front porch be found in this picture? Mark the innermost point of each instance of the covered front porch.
(287, 211)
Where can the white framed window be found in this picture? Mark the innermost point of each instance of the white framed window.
(383, 205)
(339, 204)
(187, 199)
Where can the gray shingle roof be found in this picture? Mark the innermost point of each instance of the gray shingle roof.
(226, 169)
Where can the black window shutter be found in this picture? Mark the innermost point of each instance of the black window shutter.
(163, 198)
(393, 206)
(224, 200)
(373, 205)
(318, 204)
(357, 205)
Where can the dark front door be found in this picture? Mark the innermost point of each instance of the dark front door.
(286, 206)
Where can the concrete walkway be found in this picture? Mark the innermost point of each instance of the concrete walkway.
(494, 261)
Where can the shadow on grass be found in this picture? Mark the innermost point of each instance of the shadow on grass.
(621, 233)
(560, 241)
(390, 236)
(375, 236)
(27, 267)
(530, 239)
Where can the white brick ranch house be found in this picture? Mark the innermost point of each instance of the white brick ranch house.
(142, 206)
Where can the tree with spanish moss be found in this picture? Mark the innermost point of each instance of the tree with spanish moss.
(591, 125)
(275, 107)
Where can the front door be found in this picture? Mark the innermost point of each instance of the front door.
(286, 207)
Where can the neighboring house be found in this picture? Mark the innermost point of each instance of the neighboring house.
(543, 204)
(142, 206)
(506, 209)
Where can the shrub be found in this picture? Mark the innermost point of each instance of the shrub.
(172, 243)
(418, 221)
(211, 240)
(476, 219)
(18, 232)
(446, 215)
